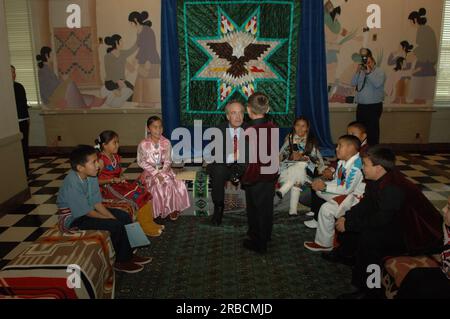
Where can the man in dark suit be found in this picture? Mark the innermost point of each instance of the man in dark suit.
(23, 116)
(394, 218)
(227, 168)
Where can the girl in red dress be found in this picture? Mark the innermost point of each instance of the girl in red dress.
(114, 186)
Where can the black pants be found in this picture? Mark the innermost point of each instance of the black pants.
(348, 244)
(24, 128)
(259, 198)
(369, 115)
(220, 174)
(373, 246)
(116, 228)
(305, 197)
(425, 283)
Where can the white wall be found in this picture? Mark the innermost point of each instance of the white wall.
(12, 169)
(440, 126)
(8, 120)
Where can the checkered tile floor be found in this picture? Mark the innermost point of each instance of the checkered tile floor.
(21, 226)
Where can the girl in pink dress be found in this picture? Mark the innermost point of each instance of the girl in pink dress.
(170, 196)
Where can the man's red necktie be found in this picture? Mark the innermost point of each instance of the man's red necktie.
(235, 145)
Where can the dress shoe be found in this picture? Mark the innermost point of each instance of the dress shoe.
(174, 215)
(255, 246)
(313, 246)
(216, 220)
(312, 224)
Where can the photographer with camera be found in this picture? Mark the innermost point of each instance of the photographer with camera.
(369, 83)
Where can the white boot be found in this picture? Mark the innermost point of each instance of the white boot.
(295, 196)
(285, 188)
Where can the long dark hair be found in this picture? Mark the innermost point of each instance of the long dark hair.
(153, 119)
(418, 16)
(335, 12)
(112, 41)
(406, 46)
(311, 141)
(43, 56)
(140, 18)
(104, 138)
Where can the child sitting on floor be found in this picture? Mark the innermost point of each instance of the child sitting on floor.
(170, 196)
(356, 129)
(300, 161)
(114, 186)
(80, 205)
(340, 194)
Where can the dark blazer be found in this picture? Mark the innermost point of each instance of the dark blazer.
(21, 101)
(252, 173)
(394, 205)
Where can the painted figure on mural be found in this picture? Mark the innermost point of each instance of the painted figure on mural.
(60, 92)
(397, 84)
(426, 53)
(147, 58)
(117, 89)
(334, 33)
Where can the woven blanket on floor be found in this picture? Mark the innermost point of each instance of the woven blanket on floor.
(41, 270)
(396, 269)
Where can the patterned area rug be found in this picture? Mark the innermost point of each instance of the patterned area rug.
(193, 259)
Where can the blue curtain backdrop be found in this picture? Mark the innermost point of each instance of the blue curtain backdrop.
(170, 67)
(312, 98)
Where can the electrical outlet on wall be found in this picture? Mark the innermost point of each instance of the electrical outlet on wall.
(418, 138)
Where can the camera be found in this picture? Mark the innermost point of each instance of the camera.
(365, 54)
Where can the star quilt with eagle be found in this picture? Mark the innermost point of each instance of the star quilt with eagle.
(232, 49)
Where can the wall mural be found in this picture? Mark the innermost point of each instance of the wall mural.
(405, 47)
(112, 61)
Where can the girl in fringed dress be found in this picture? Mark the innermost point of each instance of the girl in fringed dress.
(114, 186)
(170, 196)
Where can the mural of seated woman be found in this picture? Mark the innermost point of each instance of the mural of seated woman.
(61, 93)
(117, 89)
(147, 85)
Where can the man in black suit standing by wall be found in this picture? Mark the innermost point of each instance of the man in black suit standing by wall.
(23, 115)
(228, 168)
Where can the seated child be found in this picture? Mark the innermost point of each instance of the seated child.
(359, 130)
(114, 186)
(170, 196)
(340, 194)
(298, 156)
(356, 129)
(80, 197)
